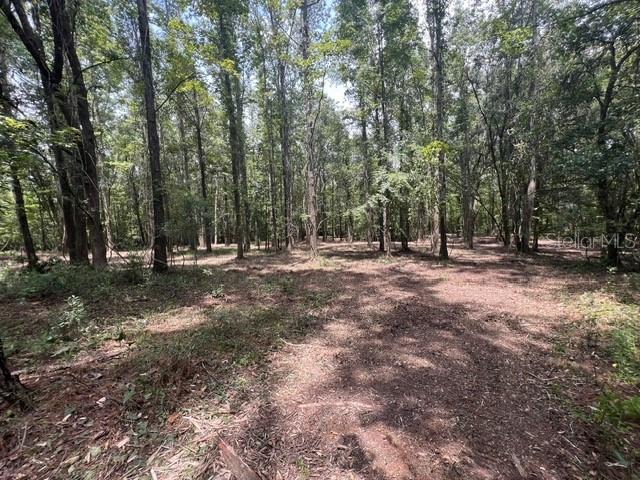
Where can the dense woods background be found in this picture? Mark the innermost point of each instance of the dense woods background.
(178, 124)
(427, 193)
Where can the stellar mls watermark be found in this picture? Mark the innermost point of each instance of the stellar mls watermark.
(581, 241)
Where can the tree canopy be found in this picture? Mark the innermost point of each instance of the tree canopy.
(273, 123)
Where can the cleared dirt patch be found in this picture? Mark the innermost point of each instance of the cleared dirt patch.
(345, 367)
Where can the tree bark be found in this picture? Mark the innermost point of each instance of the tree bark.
(234, 135)
(268, 119)
(60, 19)
(287, 193)
(436, 11)
(21, 215)
(530, 196)
(157, 187)
(50, 73)
(206, 220)
(242, 163)
(16, 186)
(136, 208)
(312, 220)
(385, 236)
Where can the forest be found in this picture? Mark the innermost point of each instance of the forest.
(337, 239)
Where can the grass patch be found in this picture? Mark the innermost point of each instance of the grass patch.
(611, 326)
(233, 339)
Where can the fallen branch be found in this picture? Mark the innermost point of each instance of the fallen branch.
(235, 464)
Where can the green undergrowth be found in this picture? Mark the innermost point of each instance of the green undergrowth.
(611, 327)
(58, 279)
(81, 308)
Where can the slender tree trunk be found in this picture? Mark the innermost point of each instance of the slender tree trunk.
(242, 164)
(157, 187)
(192, 233)
(436, 10)
(108, 217)
(16, 186)
(505, 220)
(215, 211)
(227, 227)
(468, 214)
(366, 172)
(268, 119)
(286, 161)
(530, 196)
(203, 175)
(234, 135)
(312, 219)
(404, 226)
(136, 208)
(385, 237)
(21, 215)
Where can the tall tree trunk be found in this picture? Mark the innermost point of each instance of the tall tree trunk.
(312, 218)
(234, 135)
(267, 114)
(286, 160)
(436, 11)
(404, 226)
(16, 186)
(215, 210)
(385, 237)
(51, 78)
(243, 167)
(136, 208)
(466, 197)
(192, 231)
(61, 19)
(227, 227)
(157, 187)
(504, 218)
(366, 173)
(206, 220)
(530, 196)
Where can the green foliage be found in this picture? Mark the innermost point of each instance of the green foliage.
(61, 280)
(616, 412)
(512, 41)
(72, 321)
(617, 418)
(617, 323)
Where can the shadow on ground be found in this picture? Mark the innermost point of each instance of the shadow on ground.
(346, 367)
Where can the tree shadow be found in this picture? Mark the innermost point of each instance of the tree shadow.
(388, 372)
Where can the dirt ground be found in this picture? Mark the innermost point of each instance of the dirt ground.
(406, 368)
